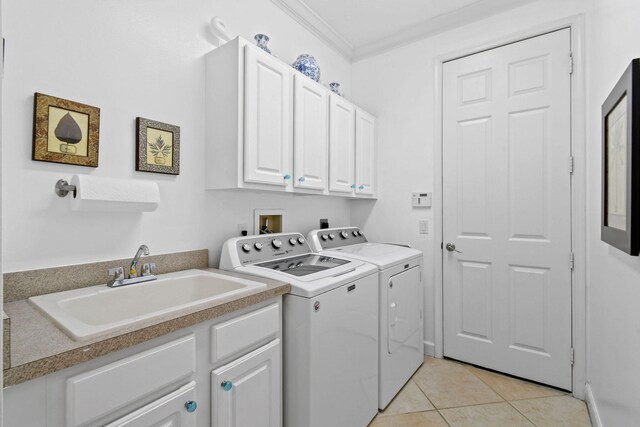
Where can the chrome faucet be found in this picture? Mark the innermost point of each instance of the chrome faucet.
(133, 268)
(117, 277)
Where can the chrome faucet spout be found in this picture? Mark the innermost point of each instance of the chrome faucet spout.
(133, 268)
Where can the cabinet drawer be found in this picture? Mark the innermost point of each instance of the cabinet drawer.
(238, 334)
(167, 411)
(95, 393)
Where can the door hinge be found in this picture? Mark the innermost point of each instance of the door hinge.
(571, 164)
(571, 355)
(571, 263)
(570, 62)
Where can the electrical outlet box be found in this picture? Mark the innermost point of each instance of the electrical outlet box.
(423, 224)
(421, 200)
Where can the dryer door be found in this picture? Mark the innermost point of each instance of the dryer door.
(403, 307)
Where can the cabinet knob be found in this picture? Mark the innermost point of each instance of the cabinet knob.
(361, 187)
(287, 177)
(226, 385)
(353, 186)
(190, 406)
(301, 179)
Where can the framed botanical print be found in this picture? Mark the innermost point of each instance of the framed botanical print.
(65, 131)
(158, 147)
(621, 163)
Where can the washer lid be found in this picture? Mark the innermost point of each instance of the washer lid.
(383, 255)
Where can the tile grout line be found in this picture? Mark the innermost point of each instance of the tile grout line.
(498, 393)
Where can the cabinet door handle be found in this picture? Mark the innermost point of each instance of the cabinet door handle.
(301, 179)
(353, 186)
(190, 406)
(361, 187)
(226, 385)
(287, 177)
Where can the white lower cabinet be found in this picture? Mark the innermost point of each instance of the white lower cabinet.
(177, 409)
(247, 391)
(165, 382)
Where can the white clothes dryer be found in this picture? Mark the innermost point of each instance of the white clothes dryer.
(401, 299)
(330, 328)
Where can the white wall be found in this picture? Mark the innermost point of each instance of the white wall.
(135, 58)
(613, 277)
(399, 87)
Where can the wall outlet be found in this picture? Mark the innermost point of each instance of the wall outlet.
(423, 225)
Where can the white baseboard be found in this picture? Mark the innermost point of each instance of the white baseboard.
(593, 409)
(429, 348)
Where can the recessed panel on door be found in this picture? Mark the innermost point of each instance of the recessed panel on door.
(365, 153)
(474, 140)
(311, 134)
(267, 133)
(341, 145)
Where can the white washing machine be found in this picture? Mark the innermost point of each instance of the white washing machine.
(401, 329)
(330, 322)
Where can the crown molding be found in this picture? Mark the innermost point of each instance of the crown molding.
(310, 20)
(439, 24)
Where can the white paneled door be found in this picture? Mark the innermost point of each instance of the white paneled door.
(507, 209)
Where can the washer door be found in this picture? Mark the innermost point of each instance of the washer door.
(403, 307)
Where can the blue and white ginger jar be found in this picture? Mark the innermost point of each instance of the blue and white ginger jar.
(308, 66)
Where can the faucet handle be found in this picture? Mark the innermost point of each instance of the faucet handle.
(148, 268)
(115, 275)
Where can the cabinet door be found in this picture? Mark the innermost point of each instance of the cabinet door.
(267, 121)
(310, 134)
(365, 153)
(247, 392)
(341, 145)
(168, 411)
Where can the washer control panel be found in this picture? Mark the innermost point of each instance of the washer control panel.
(331, 238)
(266, 247)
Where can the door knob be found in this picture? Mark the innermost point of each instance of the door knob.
(226, 385)
(452, 248)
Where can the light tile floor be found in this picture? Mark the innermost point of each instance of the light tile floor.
(448, 393)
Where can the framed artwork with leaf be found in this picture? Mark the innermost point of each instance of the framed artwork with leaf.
(620, 225)
(158, 147)
(65, 131)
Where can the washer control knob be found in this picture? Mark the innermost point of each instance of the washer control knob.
(292, 241)
(246, 247)
(332, 236)
(324, 237)
(359, 233)
(344, 234)
(276, 243)
(301, 240)
(258, 246)
(355, 233)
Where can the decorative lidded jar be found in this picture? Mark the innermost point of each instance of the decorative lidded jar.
(308, 66)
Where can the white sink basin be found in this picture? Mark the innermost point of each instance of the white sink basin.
(87, 312)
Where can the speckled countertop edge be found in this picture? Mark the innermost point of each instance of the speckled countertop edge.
(39, 348)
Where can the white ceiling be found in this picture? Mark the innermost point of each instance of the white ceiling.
(361, 28)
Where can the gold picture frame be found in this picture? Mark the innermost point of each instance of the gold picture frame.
(65, 131)
(158, 147)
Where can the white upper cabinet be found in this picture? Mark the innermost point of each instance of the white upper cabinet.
(268, 127)
(267, 121)
(310, 134)
(365, 153)
(341, 145)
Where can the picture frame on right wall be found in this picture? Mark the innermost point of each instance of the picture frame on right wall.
(620, 222)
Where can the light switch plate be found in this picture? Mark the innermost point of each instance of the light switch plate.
(424, 226)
